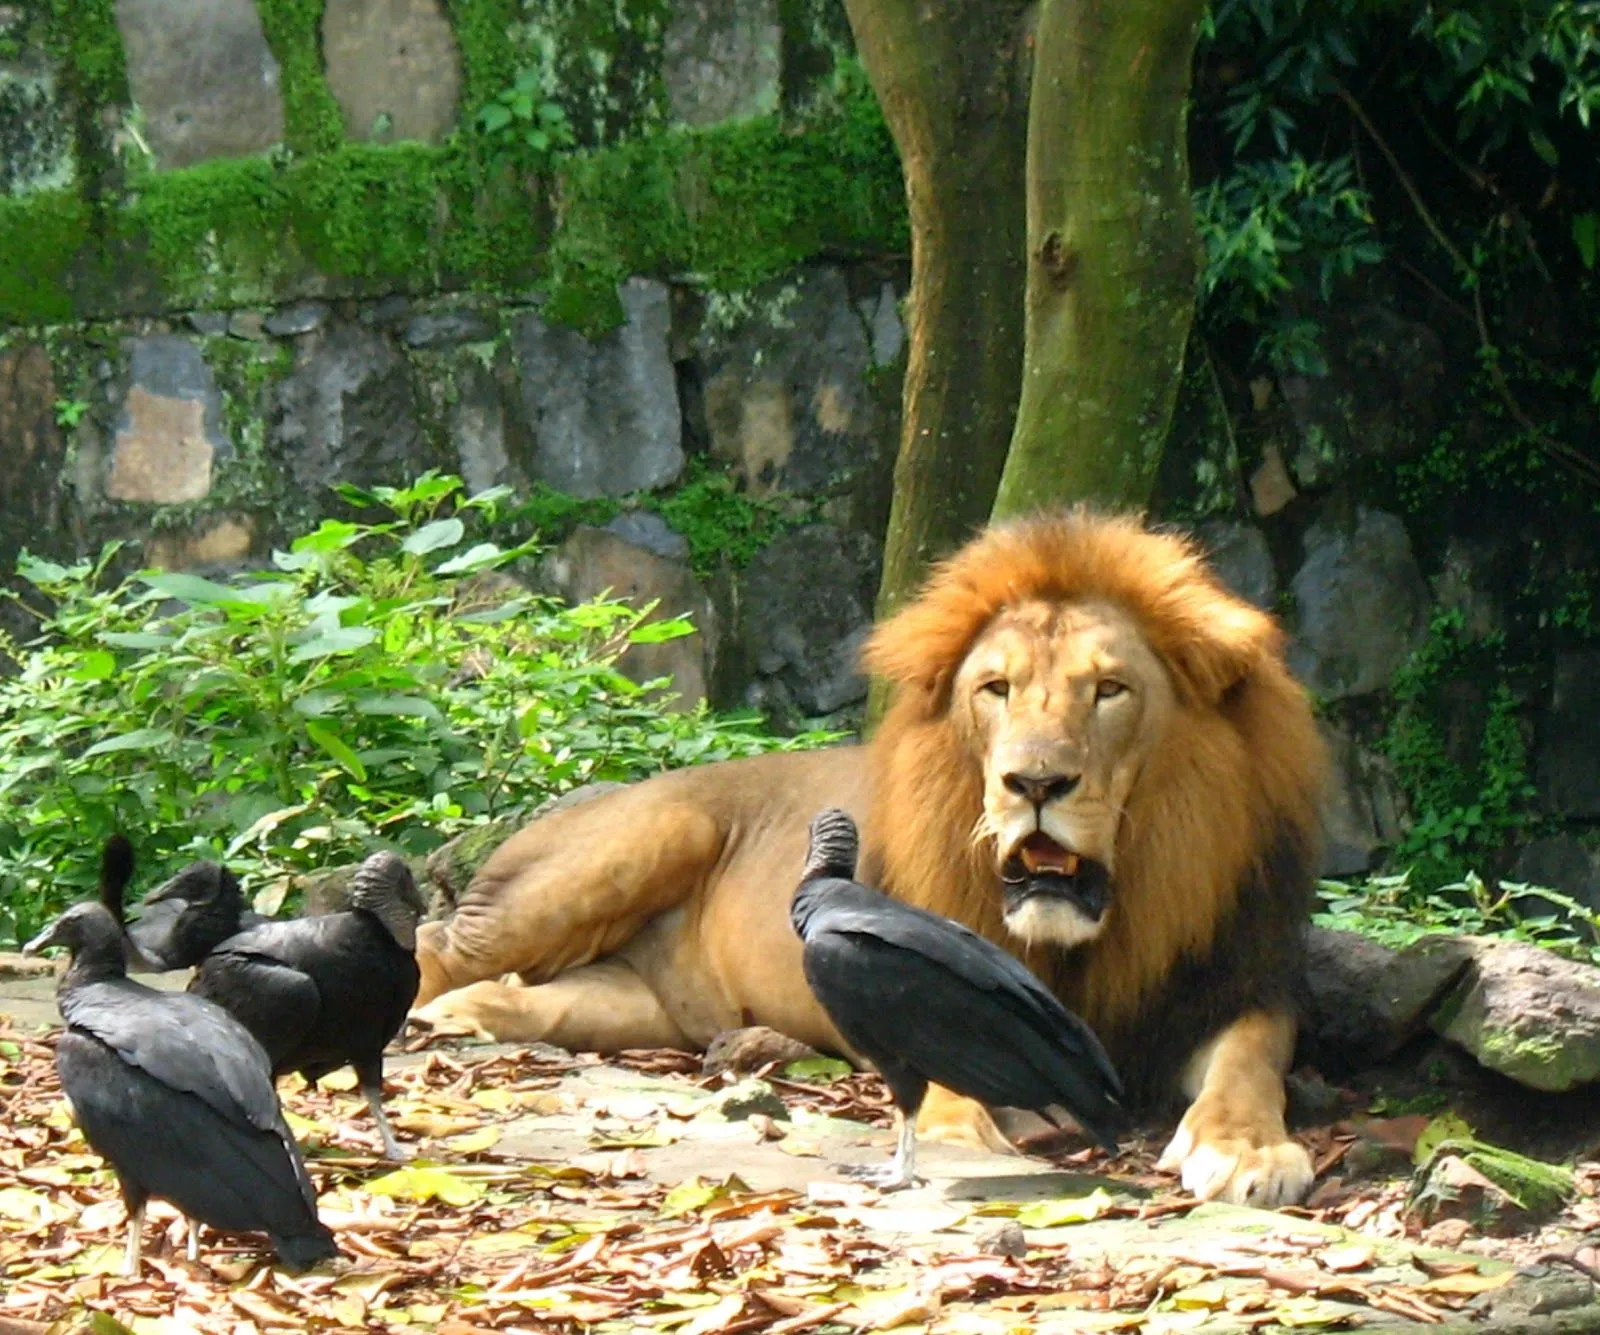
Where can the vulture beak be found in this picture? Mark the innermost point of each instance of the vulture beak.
(45, 939)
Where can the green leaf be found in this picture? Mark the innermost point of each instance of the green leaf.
(474, 558)
(338, 640)
(140, 739)
(1446, 1126)
(135, 639)
(419, 1182)
(817, 1070)
(331, 744)
(1071, 1210)
(188, 588)
(495, 116)
(655, 632)
(431, 537)
(95, 665)
(400, 706)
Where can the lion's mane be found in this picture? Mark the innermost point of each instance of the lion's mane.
(1217, 847)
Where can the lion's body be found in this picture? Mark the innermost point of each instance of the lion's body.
(1075, 684)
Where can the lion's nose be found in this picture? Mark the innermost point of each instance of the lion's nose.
(1043, 788)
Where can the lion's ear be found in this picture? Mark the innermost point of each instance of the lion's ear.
(918, 648)
(1223, 642)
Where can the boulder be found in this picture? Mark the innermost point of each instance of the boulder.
(807, 606)
(300, 318)
(603, 414)
(1360, 810)
(1243, 562)
(478, 403)
(347, 413)
(594, 560)
(449, 326)
(217, 543)
(746, 1051)
(393, 67)
(169, 432)
(788, 391)
(1361, 606)
(1527, 1013)
(1364, 1001)
(203, 77)
(1568, 762)
(647, 529)
(721, 59)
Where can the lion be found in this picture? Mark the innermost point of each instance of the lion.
(1094, 755)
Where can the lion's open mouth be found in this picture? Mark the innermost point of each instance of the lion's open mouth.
(1040, 867)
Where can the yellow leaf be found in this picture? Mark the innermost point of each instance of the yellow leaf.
(494, 1100)
(348, 1310)
(419, 1183)
(1468, 1283)
(1446, 1126)
(339, 1082)
(474, 1142)
(1352, 1256)
(687, 1197)
(1300, 1312)
(304, 1129)
(1073, 1210)
(1207, 1296)
(26, 1207)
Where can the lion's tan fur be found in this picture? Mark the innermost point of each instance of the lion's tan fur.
(1241, 759)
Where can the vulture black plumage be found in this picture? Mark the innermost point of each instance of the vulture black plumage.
(329, 991)
(929, 1002)
(178, 1096)
(182, 920)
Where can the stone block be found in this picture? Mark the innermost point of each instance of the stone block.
(35, 128)
(169, 432)
(32, 451)
(603, 414)
(1240, 556)
(203, 76)
(1568, 760)
(394, 68)
(222, 543)
(722, 59)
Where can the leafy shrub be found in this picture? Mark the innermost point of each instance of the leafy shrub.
(382, 685)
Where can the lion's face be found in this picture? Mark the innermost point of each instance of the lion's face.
(1061, 703)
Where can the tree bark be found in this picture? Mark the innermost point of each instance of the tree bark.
(1112, 252)
(952, 78)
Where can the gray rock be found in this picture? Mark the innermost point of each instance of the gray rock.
(301, 318)
(248, 325)
(479, 411)
(1526, 1013)
(1364, 1001)
(1463, 585)
(1379, 397)
(594, 560)
(1361, 605)
(1557, 862)
(203, 76)
(1568, 760)
(347, 413)
(603, 414)
(393, 67)
(746, 1051)
(721, 59)
(807, 606)
(1242, 560)
(1005, 1239)
(647, 529)
(32, 447)
(385, 311)
(788, 393)
(169, 432)
(211, 324)
(35, 127)
(1360, 811)
(440, 329)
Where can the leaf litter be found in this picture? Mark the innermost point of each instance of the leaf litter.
(466, 1239)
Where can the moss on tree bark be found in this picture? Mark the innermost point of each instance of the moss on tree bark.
(1111, 259)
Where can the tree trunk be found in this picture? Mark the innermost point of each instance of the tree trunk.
(1112, 252)
(951, 76)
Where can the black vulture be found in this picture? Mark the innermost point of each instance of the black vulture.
(927, 1001)
(330, 991)
(180, 921)
(178, 1096)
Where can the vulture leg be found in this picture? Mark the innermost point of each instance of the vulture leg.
(901, 1171)
(132, 1252)
(393, 1150)
(193, 1250)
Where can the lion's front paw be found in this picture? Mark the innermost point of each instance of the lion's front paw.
(1233, 1168)
(456, 1014)
(951, 1119)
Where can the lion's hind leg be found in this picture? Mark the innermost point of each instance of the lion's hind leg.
(568, 889)
(602, 1007)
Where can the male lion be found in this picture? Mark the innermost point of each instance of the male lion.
(1094, 756)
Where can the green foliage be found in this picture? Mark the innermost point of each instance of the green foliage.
(1462, 813)
(374, 688)
(1396, 911)
(69, 412)
(525, 113)
(311, 119)
(721, 524)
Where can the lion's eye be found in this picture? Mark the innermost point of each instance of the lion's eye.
(1106, 689)
(998, 686)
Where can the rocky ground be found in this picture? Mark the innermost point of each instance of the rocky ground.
(553, 1192)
